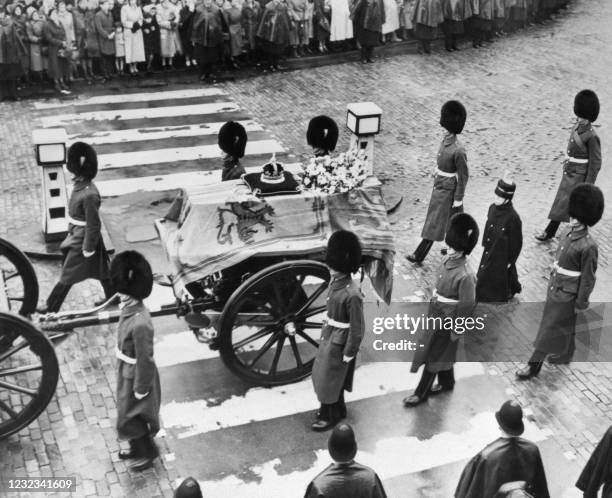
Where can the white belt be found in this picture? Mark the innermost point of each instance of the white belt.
(443, 299)
(333, 323)
(567, 273)
(124, 357)
(444, 173)
(576, 160)
(76, 223)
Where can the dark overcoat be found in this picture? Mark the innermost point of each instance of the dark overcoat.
(451, 159)
(104, 27)
(584, 145)
(274, 25)
(368, 17)
(506, 459)
(83, 209)
(92, 45)
(346, 480)
(497, 278)
(136, 372)
(428, 13)
(455, 281)
(54, 36)
(577, 252)
(251, 14)
(330, 374)
(208, 26)
(598, 470)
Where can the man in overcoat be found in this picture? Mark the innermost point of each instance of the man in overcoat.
(582, 161)
(502, 240)
(454, 297)
(322, 135)
(209, 24)
(450, 180)
(345, 478)
(571, 282)
(368, 19)
(232, 140)
(138, 386)
(273, 31)
(508, 459)
(83, 248)
(105, 28)
(342, 333)
(598, 470)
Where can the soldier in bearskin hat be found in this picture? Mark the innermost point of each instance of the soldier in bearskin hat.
(502, 240)
(454, 296)
(571, 282)
(334, 365)
(582, 161)
(322, 135)
(83, 248)
(451, 177)
(138, 387)
(232, 141)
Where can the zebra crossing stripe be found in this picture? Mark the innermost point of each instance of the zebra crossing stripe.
(131, 97)
(143, 113)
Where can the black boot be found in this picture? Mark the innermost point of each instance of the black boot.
(364, 55)
(531, 370)
(421, 251)
(56, 298)
(328, 417)
(446, 382)
(128, 454)
(146, 452)
(422, 391)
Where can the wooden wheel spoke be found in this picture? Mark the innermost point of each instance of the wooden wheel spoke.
(308, 338)
(264, 349)
(298, 290)
(312, 299)
(296, 351)
(8, 276)
(13, 371)
(278, 294)
(277, 354)
(12, 413)
(312, 325)
(18, 298)
(13, 350)
(312, 312)
(257, 335)
(20, 389)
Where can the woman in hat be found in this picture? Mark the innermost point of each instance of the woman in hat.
(510, 463)
(34, 29)
(571, 282)
(58, 52)
(450, 180)
(170, 42)
(138, 387)
(131, 20)
(502, 240)
(334, 365)
(12, 49)
(322, 135)
(345, 477)
(454, 297)
(273, 31)
(83, 249)
(582, 162)
(232, 141)
(150, 34)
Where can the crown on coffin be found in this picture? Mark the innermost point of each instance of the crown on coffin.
(273, 172)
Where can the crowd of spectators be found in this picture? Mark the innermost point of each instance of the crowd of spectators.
(59, 40)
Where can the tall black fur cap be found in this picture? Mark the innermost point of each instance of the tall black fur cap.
(343, 252)
(453, 116)
(233, 139)
(322, 132)
(586, 204)
(82, 160)
(462, 234)
(131, 274)
(586, 105)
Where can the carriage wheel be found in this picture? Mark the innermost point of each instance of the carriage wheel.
(271, 324)
(28, 373)
(18, 282)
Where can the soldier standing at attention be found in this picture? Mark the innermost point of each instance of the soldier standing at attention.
(232, 141)
(334, 365)
(83, 249)
(451, 177)
(582, 162)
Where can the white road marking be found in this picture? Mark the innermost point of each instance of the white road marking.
(144, 113)
(371, 380)
(159, 133)
(131, 97)
(391, 458)
(148, 157)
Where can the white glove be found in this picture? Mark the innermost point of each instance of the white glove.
(88, 254)
(457, 204)
(140, 396)
(347, 359)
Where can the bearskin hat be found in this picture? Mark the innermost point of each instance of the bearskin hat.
(462, 234)
(343, 252)
(341, 443)
(189, 488)
(586, 204)
(233, 139)
(453, 116)
(586, 105)
(322, 132)
(82, 160)
(131, 274)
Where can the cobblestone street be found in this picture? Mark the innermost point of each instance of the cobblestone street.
(519, 94)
